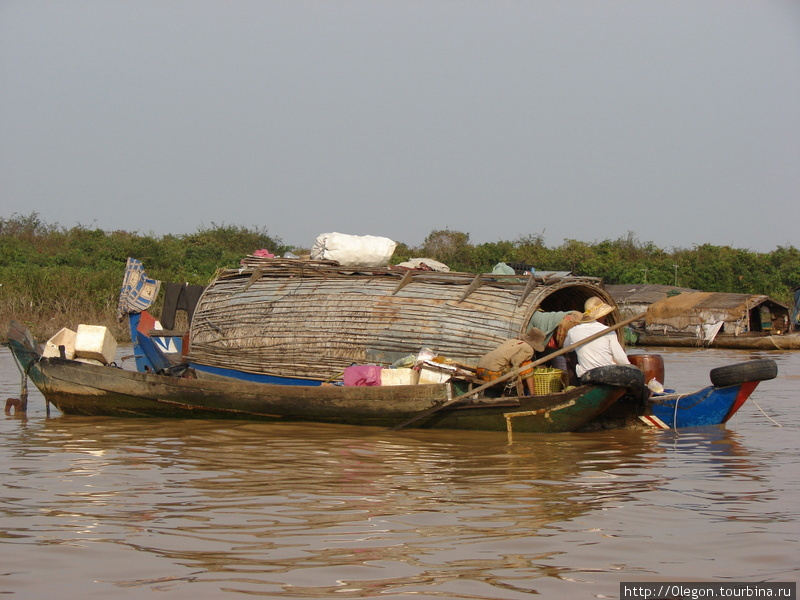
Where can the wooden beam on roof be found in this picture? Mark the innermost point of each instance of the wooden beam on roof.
(408, 276)
(529, 287)
(476, 283)
(257, 274)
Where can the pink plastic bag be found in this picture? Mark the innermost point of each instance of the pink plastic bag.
(362, 375)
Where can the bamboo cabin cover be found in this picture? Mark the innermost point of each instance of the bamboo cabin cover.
(311, 319)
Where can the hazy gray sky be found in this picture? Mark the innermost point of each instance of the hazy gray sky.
(677, 120)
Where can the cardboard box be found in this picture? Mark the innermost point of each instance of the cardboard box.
(435, 373)
(65, 337)
(95, 341)
(399, 377)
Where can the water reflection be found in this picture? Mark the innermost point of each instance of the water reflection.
(330, 505)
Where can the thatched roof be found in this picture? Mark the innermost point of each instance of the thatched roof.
(313, 318)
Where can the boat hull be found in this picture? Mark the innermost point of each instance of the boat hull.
(606, 400)
(77, 388)
(789, 341)
(709, 406)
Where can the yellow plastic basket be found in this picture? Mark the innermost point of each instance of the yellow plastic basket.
(547, 380)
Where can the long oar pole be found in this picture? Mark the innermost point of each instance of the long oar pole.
(518, 370)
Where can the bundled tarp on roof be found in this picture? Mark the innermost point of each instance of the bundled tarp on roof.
(311, 319)
(634, 299)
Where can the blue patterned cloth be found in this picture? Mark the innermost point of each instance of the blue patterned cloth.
(138, 290)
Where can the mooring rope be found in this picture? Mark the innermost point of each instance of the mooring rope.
(765, 414)
(675, 414)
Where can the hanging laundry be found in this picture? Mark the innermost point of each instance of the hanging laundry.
(179, 296)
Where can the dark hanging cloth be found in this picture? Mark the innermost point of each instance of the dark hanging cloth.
(172, 294)
(179, 296)
(192, 295)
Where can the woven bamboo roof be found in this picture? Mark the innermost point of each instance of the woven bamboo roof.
(314, 318)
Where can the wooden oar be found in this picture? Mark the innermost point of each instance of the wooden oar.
(517, 371)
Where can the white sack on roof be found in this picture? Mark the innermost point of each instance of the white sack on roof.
(353, 250)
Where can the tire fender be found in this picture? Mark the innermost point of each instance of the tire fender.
(754, 370)
(626, 376)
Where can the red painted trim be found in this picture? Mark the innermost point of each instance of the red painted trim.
(146, 323)
(743, 394)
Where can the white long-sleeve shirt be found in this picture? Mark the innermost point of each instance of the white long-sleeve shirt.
(605, 350)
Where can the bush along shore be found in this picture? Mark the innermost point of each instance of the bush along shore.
(53, 277)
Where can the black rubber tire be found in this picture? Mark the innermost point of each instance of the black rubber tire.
(754, 370)
(626, 376)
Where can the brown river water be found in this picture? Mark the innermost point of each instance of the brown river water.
(128, 508)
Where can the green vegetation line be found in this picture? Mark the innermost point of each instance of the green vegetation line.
(53, 277)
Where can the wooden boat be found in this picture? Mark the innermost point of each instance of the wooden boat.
(689, 318)
(743, 341)
(265, 339)
(384, 314)
(80, 388)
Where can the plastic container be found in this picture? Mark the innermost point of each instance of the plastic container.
(652, 365)
(65, 337)
(95, 342)
(400, 376)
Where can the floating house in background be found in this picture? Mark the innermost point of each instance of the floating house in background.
(686, 317)
(795, 316)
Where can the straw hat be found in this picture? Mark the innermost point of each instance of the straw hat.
(535, 338)
(594, 309)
